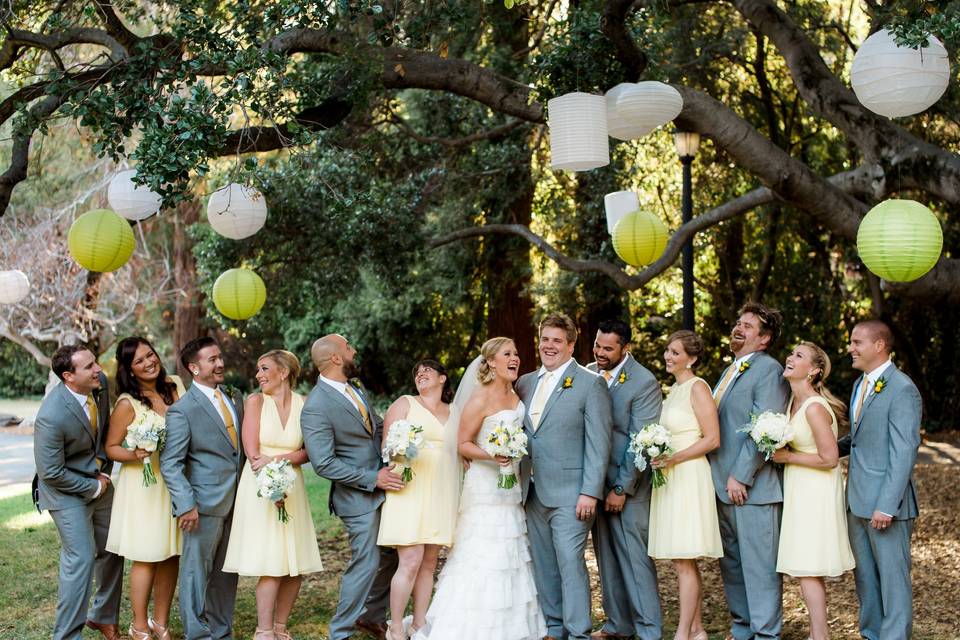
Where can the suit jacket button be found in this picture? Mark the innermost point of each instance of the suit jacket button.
(234, 454)
(853, 446)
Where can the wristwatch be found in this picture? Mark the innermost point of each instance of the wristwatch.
(618, 489)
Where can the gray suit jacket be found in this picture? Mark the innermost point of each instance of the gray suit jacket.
(198, 461)
(760, 388)
(342, 451)
(569, 451)
(636, 403)
(65, 451)
(883, 449)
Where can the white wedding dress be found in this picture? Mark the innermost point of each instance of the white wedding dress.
(486, 589)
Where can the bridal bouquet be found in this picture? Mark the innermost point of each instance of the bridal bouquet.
(649, 444)
(274, 480)
(404, 440)
(148, 432)
(770, 430)
(507, 440)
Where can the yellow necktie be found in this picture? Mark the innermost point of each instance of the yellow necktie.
(863, 391)
(227, 417)
(606, 375)
(361, 408)
(540, 399)
(725, 381)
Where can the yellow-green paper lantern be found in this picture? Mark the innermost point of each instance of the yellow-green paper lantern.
(239, 293)
(640, 238)
(900, 240)
(101, 240)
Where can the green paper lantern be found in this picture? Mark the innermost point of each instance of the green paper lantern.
(100, 240)
(899, 240)
(239, 294)
(640, 238)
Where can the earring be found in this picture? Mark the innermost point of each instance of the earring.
(689, 366)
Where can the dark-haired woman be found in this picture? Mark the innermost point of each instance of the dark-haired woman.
(142, 527)
(420, 518)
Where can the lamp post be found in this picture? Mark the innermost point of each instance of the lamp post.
(687, 143)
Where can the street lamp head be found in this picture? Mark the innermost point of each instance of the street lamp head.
(687, 143)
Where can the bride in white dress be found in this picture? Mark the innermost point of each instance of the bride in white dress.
(486, 589)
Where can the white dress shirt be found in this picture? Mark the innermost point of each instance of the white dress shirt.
(208, 392)
(555, 378)
(341, 387)
(614, 373)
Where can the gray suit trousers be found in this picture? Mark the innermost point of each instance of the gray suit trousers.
(751, 537)
(557, 543)
(83, 556)
(207, 594)
(628, 575)
(365, 585)
(882, 576)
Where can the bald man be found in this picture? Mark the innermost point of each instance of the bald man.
(342, 435)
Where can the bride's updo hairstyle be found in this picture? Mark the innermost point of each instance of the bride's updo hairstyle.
(485, 374)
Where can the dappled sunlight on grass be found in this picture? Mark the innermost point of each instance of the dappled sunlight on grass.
(17, 511)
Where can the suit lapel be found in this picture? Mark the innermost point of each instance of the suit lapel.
(885, 376)
(201, 399)
(627, 371)
(558, 390)
(73, 408)
(737, 376)
(345, 404)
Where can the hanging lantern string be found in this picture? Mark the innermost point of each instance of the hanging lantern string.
(143, 240)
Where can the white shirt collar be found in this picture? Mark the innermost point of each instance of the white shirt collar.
(207, 391)
(556, 371)
(81, 399)
(739, 361)
(875, 375)
(615, 371)
(336, 384)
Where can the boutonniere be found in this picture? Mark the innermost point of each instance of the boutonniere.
(743, 367)
(354, 382)
(879, 385)
(567, 382)
(623, 377)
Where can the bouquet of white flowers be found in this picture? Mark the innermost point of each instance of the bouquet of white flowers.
(651, 443)
(404, 440)
(148, 432)
(274, 480)
(508, 440)
(770, 430)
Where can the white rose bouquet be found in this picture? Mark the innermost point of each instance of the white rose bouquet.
(507, 440)
(148, 432)
(404, 441)
(651, 443)
(770, 431)
(274, 480)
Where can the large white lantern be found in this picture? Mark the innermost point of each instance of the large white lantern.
(644, 106)
(578, 132)
(237, 211)
(617, 205)
(617, 126)
(132, 201)
(899, 81)
(14, 286)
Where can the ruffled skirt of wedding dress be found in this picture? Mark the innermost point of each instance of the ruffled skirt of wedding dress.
(486, 589)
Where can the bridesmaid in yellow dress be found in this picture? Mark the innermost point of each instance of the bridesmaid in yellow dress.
(683, 513)
(420, 518)
(260, 545)
(813, 532)
(142, 526)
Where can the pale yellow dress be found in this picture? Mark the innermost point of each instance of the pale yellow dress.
(683, 513)
(142, 526)
(813, 531)
(261, 545)
(425, 511)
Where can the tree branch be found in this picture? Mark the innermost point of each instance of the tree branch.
(17, 171)
(614, 26)
(115, 26)
(16, 39)
(38, 355)
(491, 134)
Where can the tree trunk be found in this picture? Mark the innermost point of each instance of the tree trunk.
(188, 308)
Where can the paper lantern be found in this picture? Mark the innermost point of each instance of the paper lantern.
(100, 240)
(644, 106)
(899, 81)
(578, 132)
(617, 205)
(239, 293)
(899, 240)
(132, 201)
(237, 211)
(14, 286)
(617, 127)
(640, 238)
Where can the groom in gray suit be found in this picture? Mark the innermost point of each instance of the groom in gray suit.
(73, 484)
(201, 463)
(342, 435)
(885, 412)
(568, 424)
(749, 489)
(627, 574)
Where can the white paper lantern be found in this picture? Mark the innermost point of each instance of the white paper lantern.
(237, 211)
(132, 201)
(644, 106)
(899, 81)
(617, 205)
(578, 132)
(14, 286)
(617, 127)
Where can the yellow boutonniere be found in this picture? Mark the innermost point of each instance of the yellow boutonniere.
(743, 366)
(623, 377)
(567, 382)
(880, 385)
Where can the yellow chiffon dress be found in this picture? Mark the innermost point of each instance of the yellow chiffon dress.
(142, 526)
(425, 510)
(683, 513)
(261, 545)
(813, 531)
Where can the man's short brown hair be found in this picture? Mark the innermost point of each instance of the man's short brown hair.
(561, 321)
(771, 321)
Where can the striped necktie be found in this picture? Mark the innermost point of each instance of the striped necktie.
(361, 408)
